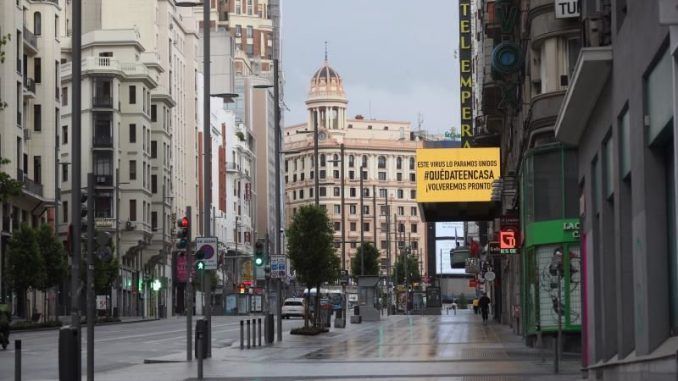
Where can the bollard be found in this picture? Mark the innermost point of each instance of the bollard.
(199, 339)
(242, 335)
(259, 331)
(17, 360)
(248, 334)
(69, 355)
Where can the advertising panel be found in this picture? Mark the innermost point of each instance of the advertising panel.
(456, 174)
(465, 73)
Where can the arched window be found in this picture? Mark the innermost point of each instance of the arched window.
(364, 161)
(335, 160)
(322, 159)
(399, 163)
(381, 162)
(37, 23)
(412, 163)
(351, 161)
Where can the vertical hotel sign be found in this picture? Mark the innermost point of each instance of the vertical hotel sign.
(465, 73)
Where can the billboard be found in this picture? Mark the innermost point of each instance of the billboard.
(456, 174)
(448, 235)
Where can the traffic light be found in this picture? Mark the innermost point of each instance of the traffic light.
(259, 253)
(84, 211)
(183, 233)
(199, 265)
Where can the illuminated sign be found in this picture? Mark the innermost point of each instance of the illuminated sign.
(456, 174)
(465, 73)
(509, 235)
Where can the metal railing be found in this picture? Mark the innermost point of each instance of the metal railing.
(103, 141)
(30, 38)
(102, 101)
(29, 84)
(32, 186)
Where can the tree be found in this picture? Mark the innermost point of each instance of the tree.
(54, 259)
(412, 269)
(8, 186)
(26, 267)
(371, 260)
(311, 249)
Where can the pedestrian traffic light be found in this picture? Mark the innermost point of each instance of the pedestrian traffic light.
(183, 233)
(83, 215)
(259, 253)
(199, 265)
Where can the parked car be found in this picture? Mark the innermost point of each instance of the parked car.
(293, 307)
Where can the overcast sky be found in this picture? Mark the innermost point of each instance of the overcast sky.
(396, 57)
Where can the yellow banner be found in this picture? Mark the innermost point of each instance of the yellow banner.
(456, 174)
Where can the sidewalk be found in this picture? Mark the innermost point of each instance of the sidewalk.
(398, 347)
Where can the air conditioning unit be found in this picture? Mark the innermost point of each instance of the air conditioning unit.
(129, 225)
(27, 134)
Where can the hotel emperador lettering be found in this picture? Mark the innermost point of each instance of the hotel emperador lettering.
(465, 74)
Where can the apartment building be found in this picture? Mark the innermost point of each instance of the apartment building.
(29, 114)
(384, 149)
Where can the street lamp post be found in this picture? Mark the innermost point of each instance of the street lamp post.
(343, 228)
(362, 225)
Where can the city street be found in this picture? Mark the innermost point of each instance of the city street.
(117, 346)
(402, 347)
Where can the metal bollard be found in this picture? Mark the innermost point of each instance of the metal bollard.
(200, 355)
(248, 334)
(259, 330)
(242, 334)
(17, 360)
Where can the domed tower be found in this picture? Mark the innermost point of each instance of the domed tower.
(327, 101)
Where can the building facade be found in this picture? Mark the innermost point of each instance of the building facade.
(619, 112)
(30, 108)
(385, 149)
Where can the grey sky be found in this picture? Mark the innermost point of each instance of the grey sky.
(396, 55)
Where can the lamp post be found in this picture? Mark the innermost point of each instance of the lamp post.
(556, 270)
(343, 227)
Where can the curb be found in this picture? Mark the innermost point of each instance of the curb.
(82, 324)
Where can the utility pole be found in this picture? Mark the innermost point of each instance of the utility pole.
(207, 162)
(316, 163)
(90, 277)
(388, 251)
(278, 197)
(362, 224)
(374, 213)
(188, 297)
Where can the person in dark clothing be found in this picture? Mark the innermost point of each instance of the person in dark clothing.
(484, 304)
(5, 318)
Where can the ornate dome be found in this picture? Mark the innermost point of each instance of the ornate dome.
(326, 83)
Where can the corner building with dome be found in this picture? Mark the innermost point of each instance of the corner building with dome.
(386, 148)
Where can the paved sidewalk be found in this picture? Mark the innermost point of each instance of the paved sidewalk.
(443, 347)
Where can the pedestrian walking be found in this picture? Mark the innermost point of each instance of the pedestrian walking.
(454, 307)
(484, 304)
(475, 306)
(5, 318)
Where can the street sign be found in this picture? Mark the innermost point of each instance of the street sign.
(490, 276)
(567, 9)
(206, 251)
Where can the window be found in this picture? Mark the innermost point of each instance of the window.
(238, 29)
(399, 163)
(366, 209)
(337, 191)
(310, 192)
(132, 169)
(413, 177)
(399, 176)
(64, 96)
(383, 245)
(400, 194)
(64, 134)
(363, 163)
(250, 32)
(37, 169)
(37, 24)
(366, 192)
(301, 194)
(249, 7)
(37, 70)
(413, 194)
(381, 162)
(323, 174)
(382, 193)
(352, 209)
(401, 228)
(132, 133)
(154, 149)
(366, 226)
(353, 226)
(322, 160)
(335, 173)
(413, 228)
(412, 163)
(401, 210)
(608, 157)
(64, 172)
(353, 245)
(132, 210)
(337, 209)
(335, 160)
(337, 226)
(322, 192)
(64, 211)
(351, 161)
(364, 175)
(383, 210)
(56, 26)
(382, 176)
(154, 113)
(154, 183)
(351, 175)
(37, 117)
(659, 96)
(351, 192)
(154, 221)
(625, 144)
(413, 211)
(132, 95)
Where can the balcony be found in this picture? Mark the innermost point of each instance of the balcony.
(232, 167)
(30, 43)
(103, 141)
(29, 185)
(29, 88)
(102, 101)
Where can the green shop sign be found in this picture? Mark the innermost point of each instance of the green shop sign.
(553, 231)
